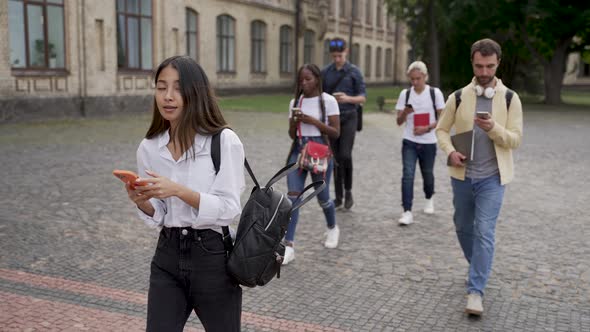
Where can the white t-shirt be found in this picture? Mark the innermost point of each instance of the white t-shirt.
(422, 103)
(311, 107)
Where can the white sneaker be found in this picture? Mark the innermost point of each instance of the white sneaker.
(429, 206)
(289, 255)
(474, 305)
(407, 218)
(332, 236)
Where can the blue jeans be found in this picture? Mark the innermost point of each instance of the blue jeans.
(477, 206)
(425, 154)
(296, 184)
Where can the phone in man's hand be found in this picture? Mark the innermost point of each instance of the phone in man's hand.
(409, 106)
(483, 115)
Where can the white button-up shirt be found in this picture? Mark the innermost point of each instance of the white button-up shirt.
(220, 194)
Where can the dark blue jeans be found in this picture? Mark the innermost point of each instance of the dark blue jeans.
(425, 154)
(189, 273)
(296, 184)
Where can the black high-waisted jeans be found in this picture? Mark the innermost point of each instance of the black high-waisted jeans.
(188, 272)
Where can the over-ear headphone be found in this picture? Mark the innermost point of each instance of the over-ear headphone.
(488, 92)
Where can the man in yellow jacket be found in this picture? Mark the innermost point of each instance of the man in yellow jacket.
(494, 114)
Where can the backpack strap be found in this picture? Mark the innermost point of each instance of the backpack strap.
(330, 89)
(216, 158)
(433, 97)
(509, 95)
(280, 174)
(216, 151)
(408, 95)
(457, 98)
(319, 186)
(228, 245)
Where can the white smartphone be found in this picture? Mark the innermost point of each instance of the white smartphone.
(483, 115)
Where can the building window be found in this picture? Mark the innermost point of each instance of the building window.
(356, 12)
(355, 54)
(286, 51)
(369, 12)
(388, 63)
(368, 61)
(192, 34)
(342, 8)
(308, 46)
(379, 13)
(258, 33)
(327, 57)
(36, 32)
(226, 43)
(134, 34)
(378, 61)
(331, 7)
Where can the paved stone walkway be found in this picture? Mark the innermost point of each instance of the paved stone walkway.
(74, 257)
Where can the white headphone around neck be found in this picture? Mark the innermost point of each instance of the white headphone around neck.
(488, 92)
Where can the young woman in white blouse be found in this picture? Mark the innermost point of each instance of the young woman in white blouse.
(319, 117)
(179, 193)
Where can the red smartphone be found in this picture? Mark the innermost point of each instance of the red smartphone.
(126, 176)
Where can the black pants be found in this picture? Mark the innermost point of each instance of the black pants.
(342, 147)
(188, 272)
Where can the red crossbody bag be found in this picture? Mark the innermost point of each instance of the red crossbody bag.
(314, 156)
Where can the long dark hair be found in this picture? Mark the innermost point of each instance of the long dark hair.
(315, 71)
(200, 114)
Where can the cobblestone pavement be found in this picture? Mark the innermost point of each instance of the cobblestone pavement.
(73, 255)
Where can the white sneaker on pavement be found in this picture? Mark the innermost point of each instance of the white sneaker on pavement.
(429, 206)
(332, 237)
(406, 218)
(474, 305)
(289, 255)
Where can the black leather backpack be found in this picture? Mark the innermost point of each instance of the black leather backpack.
(257, 254)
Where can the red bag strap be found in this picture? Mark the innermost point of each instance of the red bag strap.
(299, 123)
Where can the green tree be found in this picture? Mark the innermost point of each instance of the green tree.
(551, 29)
(532, 33)
(422, 16)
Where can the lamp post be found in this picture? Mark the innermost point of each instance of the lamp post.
(350, 30)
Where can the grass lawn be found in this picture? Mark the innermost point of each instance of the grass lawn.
(278, 103)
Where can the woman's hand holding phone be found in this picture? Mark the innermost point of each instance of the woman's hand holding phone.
(157, 186)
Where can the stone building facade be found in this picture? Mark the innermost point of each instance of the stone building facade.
(94, 57)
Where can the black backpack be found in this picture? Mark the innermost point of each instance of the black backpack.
(257, 254)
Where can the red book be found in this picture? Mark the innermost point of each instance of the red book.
(421, 119)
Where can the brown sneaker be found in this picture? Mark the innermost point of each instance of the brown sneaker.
(474, 305)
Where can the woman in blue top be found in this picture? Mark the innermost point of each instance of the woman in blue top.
(316, 116)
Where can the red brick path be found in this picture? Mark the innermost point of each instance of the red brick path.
(26, 313)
